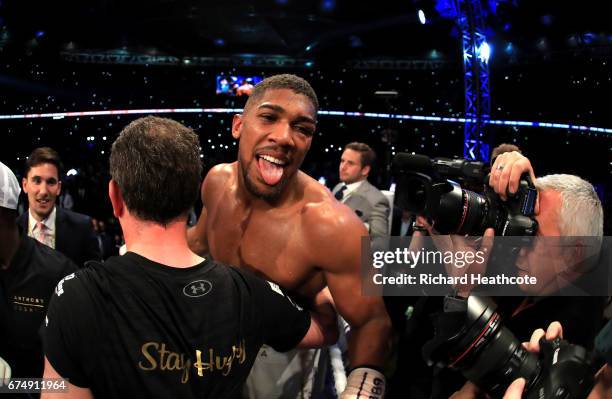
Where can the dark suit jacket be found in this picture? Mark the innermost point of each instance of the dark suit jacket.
(74, 235)
(371, 206)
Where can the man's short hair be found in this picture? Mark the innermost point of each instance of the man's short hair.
(368, 156)
(581, 213)
(156, 164)
(503, 148)
(284, 81)
(43, 155)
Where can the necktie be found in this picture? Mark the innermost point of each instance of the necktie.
(41, 234)
(340, 193)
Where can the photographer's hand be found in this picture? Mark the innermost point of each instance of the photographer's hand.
(506, 173)
(554, 330)
(474, 254)
(603, 379)
(515, 390)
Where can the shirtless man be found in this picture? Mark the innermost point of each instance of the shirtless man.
(264, 214)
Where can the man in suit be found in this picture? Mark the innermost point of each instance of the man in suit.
(68, 232)
(357, 193)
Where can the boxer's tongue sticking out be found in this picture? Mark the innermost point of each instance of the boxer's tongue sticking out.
(271, 169)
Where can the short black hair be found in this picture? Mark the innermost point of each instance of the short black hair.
(284, 81)
(156, 164)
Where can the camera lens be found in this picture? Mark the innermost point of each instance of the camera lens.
(461, 211)
(496, 358)
(485, 351)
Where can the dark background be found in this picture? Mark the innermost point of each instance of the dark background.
(550, 62)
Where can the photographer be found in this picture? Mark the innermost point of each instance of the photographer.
(567, 207)
(603, 384)
(570, 229)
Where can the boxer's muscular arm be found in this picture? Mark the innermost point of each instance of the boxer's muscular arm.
(73, 391)
(323, 329)
(336, 239)
(196, 236)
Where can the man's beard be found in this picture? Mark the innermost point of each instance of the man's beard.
(269, 196)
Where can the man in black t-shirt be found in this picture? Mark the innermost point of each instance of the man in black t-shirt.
(161, 321)
(29, 271)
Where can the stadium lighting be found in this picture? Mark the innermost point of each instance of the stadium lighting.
(484, 52)
(422, 18)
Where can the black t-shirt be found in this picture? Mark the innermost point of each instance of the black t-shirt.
(134, 328)
(25, 289)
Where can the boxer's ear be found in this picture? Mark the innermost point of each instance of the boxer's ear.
(236, 126)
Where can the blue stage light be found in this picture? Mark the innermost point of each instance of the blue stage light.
(484, 52)
(328, 5)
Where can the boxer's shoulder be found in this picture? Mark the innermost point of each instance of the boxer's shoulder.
(326, 220)
(217, 178)
(220, 173)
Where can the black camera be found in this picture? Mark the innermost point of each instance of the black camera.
(423, 187)
(470, 337)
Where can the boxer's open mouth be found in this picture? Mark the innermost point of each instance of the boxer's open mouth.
(271, 168)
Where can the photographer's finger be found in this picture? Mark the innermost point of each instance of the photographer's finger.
(554, 330)
(520, 165)
(515, 177)
(515, 390)
(495, 172)
(467, 391)
(417, 241)
(534, 341)
(487, 243)
(504, 178)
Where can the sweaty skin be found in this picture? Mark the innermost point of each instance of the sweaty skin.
(291, 231)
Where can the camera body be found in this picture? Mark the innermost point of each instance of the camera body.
(424, 187)
(470, 337)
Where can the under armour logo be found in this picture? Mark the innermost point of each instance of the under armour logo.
(197, 288)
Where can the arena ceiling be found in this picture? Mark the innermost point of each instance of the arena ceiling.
(324, 30)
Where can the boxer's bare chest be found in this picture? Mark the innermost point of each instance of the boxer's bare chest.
(269, 242)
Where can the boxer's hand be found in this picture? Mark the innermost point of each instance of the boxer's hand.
(5, 372)
(364, 382)
(506, 173)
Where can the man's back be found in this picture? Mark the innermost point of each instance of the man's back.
(162, 331)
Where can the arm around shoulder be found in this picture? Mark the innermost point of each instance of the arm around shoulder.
(71, 392)
(196, 235)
